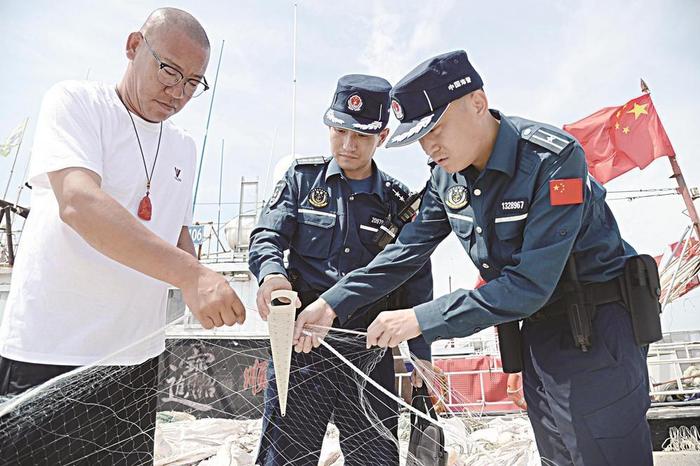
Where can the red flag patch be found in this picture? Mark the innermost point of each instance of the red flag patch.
(566, 191)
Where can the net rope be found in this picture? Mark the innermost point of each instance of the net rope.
(213, 397)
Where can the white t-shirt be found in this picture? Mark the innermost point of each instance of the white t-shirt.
(68, 303)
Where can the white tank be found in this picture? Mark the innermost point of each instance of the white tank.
(231, 231)
(278, 172)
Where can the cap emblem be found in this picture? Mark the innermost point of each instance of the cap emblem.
(397, 109)
(355, 103)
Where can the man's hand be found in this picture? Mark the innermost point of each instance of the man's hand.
(272, 282)
(422, 370)
(212, 300)
(392, 327)
(514, 390)
(318, 313)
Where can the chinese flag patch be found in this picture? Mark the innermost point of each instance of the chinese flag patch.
(566, 192)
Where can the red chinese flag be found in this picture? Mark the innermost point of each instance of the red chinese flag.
(618, 139)
(566, 191)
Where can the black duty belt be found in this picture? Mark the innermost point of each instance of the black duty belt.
(595, 294)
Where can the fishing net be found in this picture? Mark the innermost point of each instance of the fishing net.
(213, 397)
(682, 438)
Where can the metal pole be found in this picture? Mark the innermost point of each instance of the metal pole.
(294, 83)
(269, 165)
(682, 187)
(675, 272)
(221, 174)
(240, 218)
(12, 170)
(687, 198)
(206, 128)
(8, 231)
(679, 245)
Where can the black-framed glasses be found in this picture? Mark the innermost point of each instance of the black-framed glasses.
(170, 76)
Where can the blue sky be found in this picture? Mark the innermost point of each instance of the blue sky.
(551, 61)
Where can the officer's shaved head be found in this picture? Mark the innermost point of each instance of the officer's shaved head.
(164, 19)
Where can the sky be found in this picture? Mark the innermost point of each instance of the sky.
(548, 60)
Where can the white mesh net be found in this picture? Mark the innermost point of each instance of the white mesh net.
(216, 400)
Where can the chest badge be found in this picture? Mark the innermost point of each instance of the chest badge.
(318, 197)
(457, 197)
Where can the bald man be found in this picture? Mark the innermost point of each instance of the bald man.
(111, 205)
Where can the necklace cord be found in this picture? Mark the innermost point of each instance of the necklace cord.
(143, 157)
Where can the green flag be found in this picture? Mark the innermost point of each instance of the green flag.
(12, 141)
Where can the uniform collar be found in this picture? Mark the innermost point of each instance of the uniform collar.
(378, 178)
(334, 169)
(505, 149)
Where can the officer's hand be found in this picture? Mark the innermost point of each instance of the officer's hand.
(515, 390)
(422, 370)
(212, 300)
(317, 317)
(392, 327)
(272, 282)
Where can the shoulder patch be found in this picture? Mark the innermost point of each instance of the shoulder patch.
(313, 160)
(277, 193)
(554, 141)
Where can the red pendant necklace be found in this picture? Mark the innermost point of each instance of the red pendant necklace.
(145, 210)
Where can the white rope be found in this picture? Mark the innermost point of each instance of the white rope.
(375, 384)
(339, 330)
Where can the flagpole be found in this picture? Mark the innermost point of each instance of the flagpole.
(687, 197)
(12, 170)
(680, 179)
(206, 128)
(221, 180)
(294, 83)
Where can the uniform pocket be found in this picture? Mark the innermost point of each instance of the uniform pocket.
(461, 224)
(621, 430)
(314, 234)
(508, 230)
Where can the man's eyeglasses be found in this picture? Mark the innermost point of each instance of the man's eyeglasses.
(171, 76)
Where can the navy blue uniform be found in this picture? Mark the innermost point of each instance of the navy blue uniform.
(587, 408)
(328, 230)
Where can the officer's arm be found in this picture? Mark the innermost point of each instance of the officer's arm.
(396, 264)
(274, 231)
(418, 290)
(526, 286)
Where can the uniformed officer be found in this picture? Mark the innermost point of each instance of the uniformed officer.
(519, 198)
(328, 213)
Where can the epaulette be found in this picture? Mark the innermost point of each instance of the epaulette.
(552, 139)
(312, 160)
(396, 190)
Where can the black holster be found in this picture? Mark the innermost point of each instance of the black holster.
(510, 347)
(579, 309)
(641, 289)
